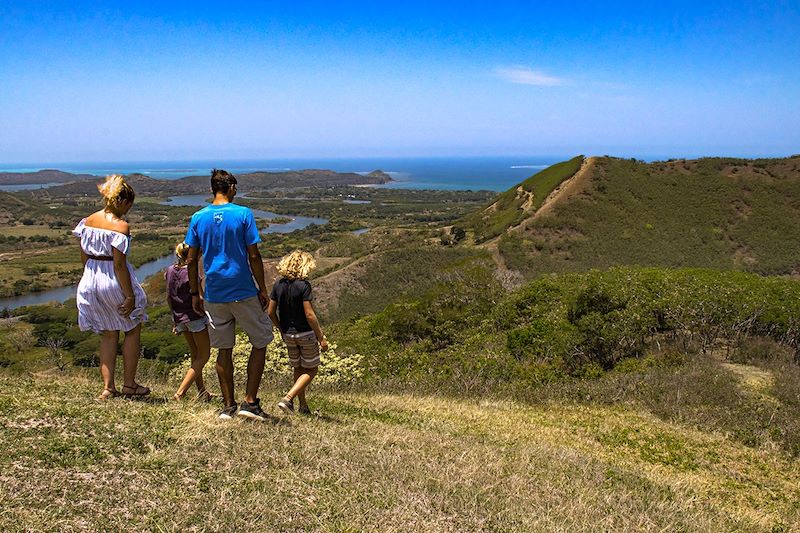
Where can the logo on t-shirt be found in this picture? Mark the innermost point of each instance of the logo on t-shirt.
(218, 218)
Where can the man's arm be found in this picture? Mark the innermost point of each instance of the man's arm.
(257, 267)
(272, 311)
(194, 280)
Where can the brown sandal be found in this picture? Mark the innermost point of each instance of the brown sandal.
(107, 394)
(139, 391)
(205, 396)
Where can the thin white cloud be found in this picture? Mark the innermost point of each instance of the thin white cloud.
(527, 76)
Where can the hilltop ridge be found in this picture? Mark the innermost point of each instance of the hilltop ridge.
(723, 213)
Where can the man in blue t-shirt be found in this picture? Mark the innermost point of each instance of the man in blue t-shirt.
(227, 237)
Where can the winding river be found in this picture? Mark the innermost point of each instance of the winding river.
(148, 269)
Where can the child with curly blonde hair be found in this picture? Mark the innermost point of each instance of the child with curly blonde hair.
(291, 311)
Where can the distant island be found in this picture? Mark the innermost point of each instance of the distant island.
(250, 182)
(42, 176)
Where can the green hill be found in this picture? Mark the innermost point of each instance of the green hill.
(512, 206)
(715, 212)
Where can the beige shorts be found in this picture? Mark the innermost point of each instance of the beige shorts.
(303, 349)
(247, 313)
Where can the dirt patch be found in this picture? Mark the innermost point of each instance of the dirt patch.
(754, 380)
(527, 199)
(741, 208)
(742, 256)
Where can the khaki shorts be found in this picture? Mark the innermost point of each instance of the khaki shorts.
(250, 316)
(303, 349)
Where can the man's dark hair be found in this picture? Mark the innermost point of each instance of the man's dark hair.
(221, 181)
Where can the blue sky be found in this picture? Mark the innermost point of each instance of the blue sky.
(110, 81)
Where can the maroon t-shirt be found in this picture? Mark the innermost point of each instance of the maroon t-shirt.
(178, 294)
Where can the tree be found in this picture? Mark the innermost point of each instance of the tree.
(56, 353)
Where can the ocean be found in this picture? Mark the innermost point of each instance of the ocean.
(440, 173)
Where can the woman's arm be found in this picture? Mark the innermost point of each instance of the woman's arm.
(124, 280)
(311, 316)
(194, 281)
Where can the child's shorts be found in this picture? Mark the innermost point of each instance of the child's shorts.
(303, 349)
(195, 326)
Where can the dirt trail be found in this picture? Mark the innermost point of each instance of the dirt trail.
(569, 187)
(566, 189)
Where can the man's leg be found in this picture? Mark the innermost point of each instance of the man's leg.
(225, 373)
(222, 334)
(255, 369)
(255, 322)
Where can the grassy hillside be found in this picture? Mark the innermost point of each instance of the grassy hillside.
(369, 461)
(715, 212)
(630, 398)
(512, 206)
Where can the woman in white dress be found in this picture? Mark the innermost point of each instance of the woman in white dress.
(110, 298)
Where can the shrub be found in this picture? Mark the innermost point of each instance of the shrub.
(85, 352)
(334, 368)
(604, 316)
(163, 346)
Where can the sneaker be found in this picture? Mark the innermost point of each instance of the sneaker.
(228, 413)
(252, 410)
(305, 410)
(287, 406)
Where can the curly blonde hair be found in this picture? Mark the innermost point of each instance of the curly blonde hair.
(116, 191)
(297, 265)
(182, 253)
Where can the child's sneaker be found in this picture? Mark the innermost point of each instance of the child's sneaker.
(287, 406)
(252, 410)
(228, 413)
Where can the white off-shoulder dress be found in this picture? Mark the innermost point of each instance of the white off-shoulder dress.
(99, 291)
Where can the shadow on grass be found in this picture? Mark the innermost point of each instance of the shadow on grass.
(322, 417)
(153, 400)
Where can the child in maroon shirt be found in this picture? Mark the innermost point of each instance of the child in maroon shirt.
(187, 321)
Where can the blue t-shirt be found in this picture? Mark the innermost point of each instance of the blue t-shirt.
(223, 233)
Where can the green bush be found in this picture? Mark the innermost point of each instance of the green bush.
(163, 346)
(335, 368)
(85, 352)
(603, 316)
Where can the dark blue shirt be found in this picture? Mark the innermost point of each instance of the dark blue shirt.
(223, 233)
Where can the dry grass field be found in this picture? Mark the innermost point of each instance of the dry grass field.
(371, 462)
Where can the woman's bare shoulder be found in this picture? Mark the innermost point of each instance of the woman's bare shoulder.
(99, 220)
(121, 226)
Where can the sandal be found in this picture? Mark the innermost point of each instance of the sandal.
(107, 394)
(139, 391)
(205, 396)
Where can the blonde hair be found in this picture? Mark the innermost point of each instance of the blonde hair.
(115, 191)
(297, 265)
(182, 253)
